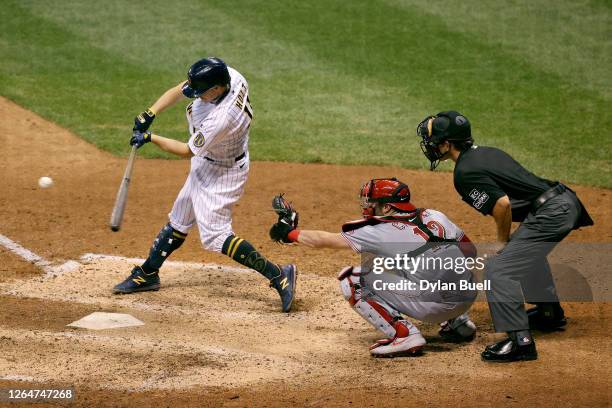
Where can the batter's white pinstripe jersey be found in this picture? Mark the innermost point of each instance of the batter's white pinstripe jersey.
(221, 132)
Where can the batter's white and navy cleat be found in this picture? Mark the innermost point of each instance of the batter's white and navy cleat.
(138, 281)
(285, 285)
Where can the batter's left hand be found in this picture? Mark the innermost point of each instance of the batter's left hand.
(140, 138)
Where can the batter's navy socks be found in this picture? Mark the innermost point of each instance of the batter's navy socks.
(168, 240)
(519, 346)
(241, 251)
(546, 317)
(281, 278)
(138, 281)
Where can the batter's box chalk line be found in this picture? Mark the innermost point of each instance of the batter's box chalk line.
(52, 270)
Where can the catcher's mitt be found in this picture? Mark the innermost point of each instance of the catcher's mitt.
(287, 219)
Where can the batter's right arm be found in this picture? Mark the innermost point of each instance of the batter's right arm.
(168, 99)
(143, 121)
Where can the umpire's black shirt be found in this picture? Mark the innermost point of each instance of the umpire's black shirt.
(484, 174)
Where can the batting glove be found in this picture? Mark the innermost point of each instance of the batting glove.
(140, 138)
(143, 121)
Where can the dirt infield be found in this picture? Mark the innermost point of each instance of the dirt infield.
(214, 336)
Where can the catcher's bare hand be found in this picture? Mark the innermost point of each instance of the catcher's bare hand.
(287, 219)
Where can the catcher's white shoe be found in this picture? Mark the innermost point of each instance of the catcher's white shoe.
(410, 346)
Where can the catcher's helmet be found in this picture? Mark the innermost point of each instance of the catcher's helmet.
(205, 74)
(449, 125)
(389, 191)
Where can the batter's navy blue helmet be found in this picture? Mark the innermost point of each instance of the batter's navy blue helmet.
(205, 74)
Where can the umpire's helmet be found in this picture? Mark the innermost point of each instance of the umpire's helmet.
(389, 191)
(448, 125)
(205, 74)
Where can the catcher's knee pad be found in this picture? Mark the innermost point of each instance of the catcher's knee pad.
(380, 315)
(168, 240)
(349, 284)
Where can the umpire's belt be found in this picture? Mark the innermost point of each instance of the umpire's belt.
(237, 158)
(547, 195)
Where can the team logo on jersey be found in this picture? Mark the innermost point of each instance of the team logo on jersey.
(198, 140)
(478, 198)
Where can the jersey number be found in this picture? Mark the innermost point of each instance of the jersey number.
(433, 226)
(243, 104)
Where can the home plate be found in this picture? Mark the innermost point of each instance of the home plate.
(101, 320)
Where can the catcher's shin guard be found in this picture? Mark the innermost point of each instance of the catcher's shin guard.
(375, 313)
(403, 338)
(168, 240)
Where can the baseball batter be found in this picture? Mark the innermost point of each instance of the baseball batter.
(391, 225)
(219, 118)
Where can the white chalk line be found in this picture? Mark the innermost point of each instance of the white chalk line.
(89, 257)
(26, 254)
(52, 271)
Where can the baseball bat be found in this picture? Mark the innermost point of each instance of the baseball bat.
(120, 201)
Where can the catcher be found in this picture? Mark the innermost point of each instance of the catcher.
(391, 226)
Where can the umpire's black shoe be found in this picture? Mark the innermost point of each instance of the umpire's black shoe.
(138, 281)
(509, 350)
(285, 285)
(546, 317)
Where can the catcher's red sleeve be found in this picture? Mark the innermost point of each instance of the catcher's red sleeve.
(293, 235)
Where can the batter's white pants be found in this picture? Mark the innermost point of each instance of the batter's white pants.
(208, 197)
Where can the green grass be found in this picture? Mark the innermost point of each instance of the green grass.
(331, 81)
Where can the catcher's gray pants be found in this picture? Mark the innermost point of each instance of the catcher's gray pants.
(431, 306)
(522, 264)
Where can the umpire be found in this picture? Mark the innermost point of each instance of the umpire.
(492, 182)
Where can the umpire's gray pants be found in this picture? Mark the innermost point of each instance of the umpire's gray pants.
(522, 264)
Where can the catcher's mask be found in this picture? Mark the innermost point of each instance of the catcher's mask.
(449, 125)
(389, 191)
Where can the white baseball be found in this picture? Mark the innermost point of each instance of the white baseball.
(45, 182)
